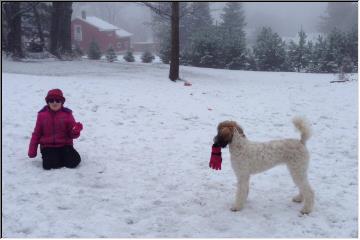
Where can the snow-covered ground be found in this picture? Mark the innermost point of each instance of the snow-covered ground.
(146, 145)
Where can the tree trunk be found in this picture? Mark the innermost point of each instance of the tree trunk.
(60, 33)
(13, 16)
(56, 8)
(39, 26)
(174, 64)
(65, 28)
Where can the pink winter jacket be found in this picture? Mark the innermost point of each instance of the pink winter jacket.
(52, 129)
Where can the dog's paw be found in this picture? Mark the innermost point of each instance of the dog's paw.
(298, 198)
(305, 211)
(235, 208)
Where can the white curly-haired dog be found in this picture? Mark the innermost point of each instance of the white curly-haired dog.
(249, 157)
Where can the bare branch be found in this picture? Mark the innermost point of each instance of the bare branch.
(157, 10)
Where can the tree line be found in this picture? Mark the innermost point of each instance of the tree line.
(205, 43)
(44, 26)
(187, 34)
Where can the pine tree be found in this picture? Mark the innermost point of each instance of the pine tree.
(200, 17)
(335, 51)
(111, 55)
(352, 48)
(269, 51)
(162, 31)
(197, 18)
(205, 49)
(341, 15)
(232, 31)
(318, 62)
(299, 53)
(147, 57)
(94, 51)
(129, 57)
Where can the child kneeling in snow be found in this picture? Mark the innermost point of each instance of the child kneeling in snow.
(55, 130)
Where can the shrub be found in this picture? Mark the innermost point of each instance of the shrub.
(110, 55)
(129, 57)
(147, 57)
(94, 51)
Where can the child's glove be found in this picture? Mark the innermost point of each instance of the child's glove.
(215, 160)
(77, 128)
(32, 153)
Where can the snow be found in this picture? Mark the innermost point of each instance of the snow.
(145, 149)
(122, 33)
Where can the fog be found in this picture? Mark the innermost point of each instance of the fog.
(285, 18)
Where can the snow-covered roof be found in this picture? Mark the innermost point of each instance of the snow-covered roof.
(105, 26)
(122, 33)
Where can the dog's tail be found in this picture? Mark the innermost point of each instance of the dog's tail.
(304, 127)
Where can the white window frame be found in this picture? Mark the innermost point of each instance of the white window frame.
(78, 34)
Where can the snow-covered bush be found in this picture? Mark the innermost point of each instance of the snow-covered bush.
(110, 55)
(129, 57)
(94, 51)
(147, 57)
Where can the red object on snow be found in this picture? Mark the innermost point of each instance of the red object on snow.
(215, 159)
(187, 84)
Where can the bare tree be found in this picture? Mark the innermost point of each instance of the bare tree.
(175, 47)
(174, 16)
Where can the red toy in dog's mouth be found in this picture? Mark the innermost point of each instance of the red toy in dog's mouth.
(215, 159)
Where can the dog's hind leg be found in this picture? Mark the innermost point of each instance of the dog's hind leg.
(241, 193)
(298, 198)
(299, 176)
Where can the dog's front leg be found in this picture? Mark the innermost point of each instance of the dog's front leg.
(241, 193)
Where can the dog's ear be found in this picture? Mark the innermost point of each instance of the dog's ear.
(239, 130)
(226, 133)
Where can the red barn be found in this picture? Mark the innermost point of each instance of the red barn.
(86, 29)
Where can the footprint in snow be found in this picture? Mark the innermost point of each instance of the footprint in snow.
(95, 108)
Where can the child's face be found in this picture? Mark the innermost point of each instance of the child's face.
(54, 104)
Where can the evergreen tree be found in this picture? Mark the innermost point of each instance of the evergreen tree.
(269, 51)
(129, 57)
(78, 52)
(199, 16)
(232, 31)
(36, 24)
(147, 57)
(299, 55)
(318, 55)
(341, 15)
(352, 48)
(94, 51)
(335, 52)
(162, 31)
(205, 49)
(196, 18)
(111, 55)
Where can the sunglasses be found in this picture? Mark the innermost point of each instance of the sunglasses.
(54, 100)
